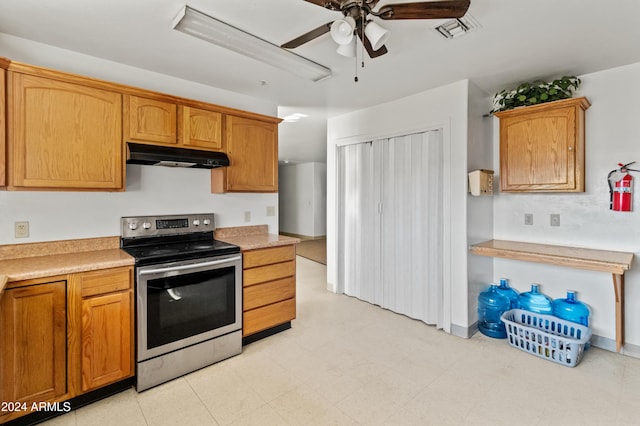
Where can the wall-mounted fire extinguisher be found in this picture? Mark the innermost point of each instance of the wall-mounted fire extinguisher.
(621, 188)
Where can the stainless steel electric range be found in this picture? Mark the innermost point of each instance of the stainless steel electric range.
(188, 295)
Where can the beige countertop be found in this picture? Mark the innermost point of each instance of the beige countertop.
(38, 260)
(253, 237)
(47, 259)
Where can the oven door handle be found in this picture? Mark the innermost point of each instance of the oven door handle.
(191, 266)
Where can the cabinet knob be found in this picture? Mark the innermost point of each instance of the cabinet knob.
(570, 148)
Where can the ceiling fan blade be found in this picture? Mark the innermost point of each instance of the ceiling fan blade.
(369, 48)
(327, 4)
(425, 10)
(299, 41)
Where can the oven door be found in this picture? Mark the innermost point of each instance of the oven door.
(187, 302)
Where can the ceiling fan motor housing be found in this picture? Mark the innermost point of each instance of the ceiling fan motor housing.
(370, 33)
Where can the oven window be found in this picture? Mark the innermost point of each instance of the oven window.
(182, 306)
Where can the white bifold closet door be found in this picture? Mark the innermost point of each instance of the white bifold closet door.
(390, 224)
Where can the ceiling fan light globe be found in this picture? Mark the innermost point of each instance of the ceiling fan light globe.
(348, 50)
(342, 30)
(377, 35)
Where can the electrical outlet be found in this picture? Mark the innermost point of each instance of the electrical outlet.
(528, 219)
(554, 220)
(271, 211)
(247, 216)
(21, 229)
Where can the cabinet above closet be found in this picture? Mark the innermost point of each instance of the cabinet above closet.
(542, 147)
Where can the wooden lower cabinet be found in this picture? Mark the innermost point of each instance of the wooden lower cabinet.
(269, 288)
(33, 350)
(107, 329)
(64, 336)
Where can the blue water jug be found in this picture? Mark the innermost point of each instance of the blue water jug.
(491, 305)
(508, 292)
(535, 301)
(571, 309)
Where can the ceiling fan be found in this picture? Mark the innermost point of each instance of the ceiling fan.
(357, 21)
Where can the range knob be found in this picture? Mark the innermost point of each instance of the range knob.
(146, 225)
(133, 226)
(196, 222)
(207, 221)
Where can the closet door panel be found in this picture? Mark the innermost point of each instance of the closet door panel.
(358, 266)
(390, 226)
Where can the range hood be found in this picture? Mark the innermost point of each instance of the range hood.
(154, 155)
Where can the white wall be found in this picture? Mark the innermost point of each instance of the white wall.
(479, 209)
(320, 199)
(149, 190)
(33, 53)
(444, 107)
(611, 137)
(303, 194)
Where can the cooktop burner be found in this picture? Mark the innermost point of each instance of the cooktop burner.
(163, 239)
(179, 251)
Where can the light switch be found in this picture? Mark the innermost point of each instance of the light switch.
(528, 219)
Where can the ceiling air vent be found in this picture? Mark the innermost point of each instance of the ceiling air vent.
(457, 27)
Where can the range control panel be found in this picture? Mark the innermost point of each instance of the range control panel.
(150, 226)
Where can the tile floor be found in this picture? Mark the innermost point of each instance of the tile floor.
(345, 362)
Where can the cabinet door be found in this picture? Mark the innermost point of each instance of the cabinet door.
(106, 339)
(63, 135)
(252, 147)
(542, 148)
(200, 128)
(33, 349)
(149, 120)
(3, 160)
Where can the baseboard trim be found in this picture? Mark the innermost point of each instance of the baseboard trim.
(72, 404)
(610, 345)
(265, 333)
(464, 332)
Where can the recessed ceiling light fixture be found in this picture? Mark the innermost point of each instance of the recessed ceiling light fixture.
(292, 118)
(195, 23)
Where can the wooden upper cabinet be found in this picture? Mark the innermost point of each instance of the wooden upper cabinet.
(63, 135)
(200, 128)
(33, 343)
(149, 120)
(252, 147)
(542, 147)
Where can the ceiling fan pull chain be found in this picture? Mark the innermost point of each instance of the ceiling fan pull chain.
(355, 62)
(363, 36)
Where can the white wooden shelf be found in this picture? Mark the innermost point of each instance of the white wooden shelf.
(614, 262)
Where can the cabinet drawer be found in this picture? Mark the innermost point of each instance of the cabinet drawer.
(268, 316)
(267, 256)
(105, 281)
(268, 293)
(268, 273)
